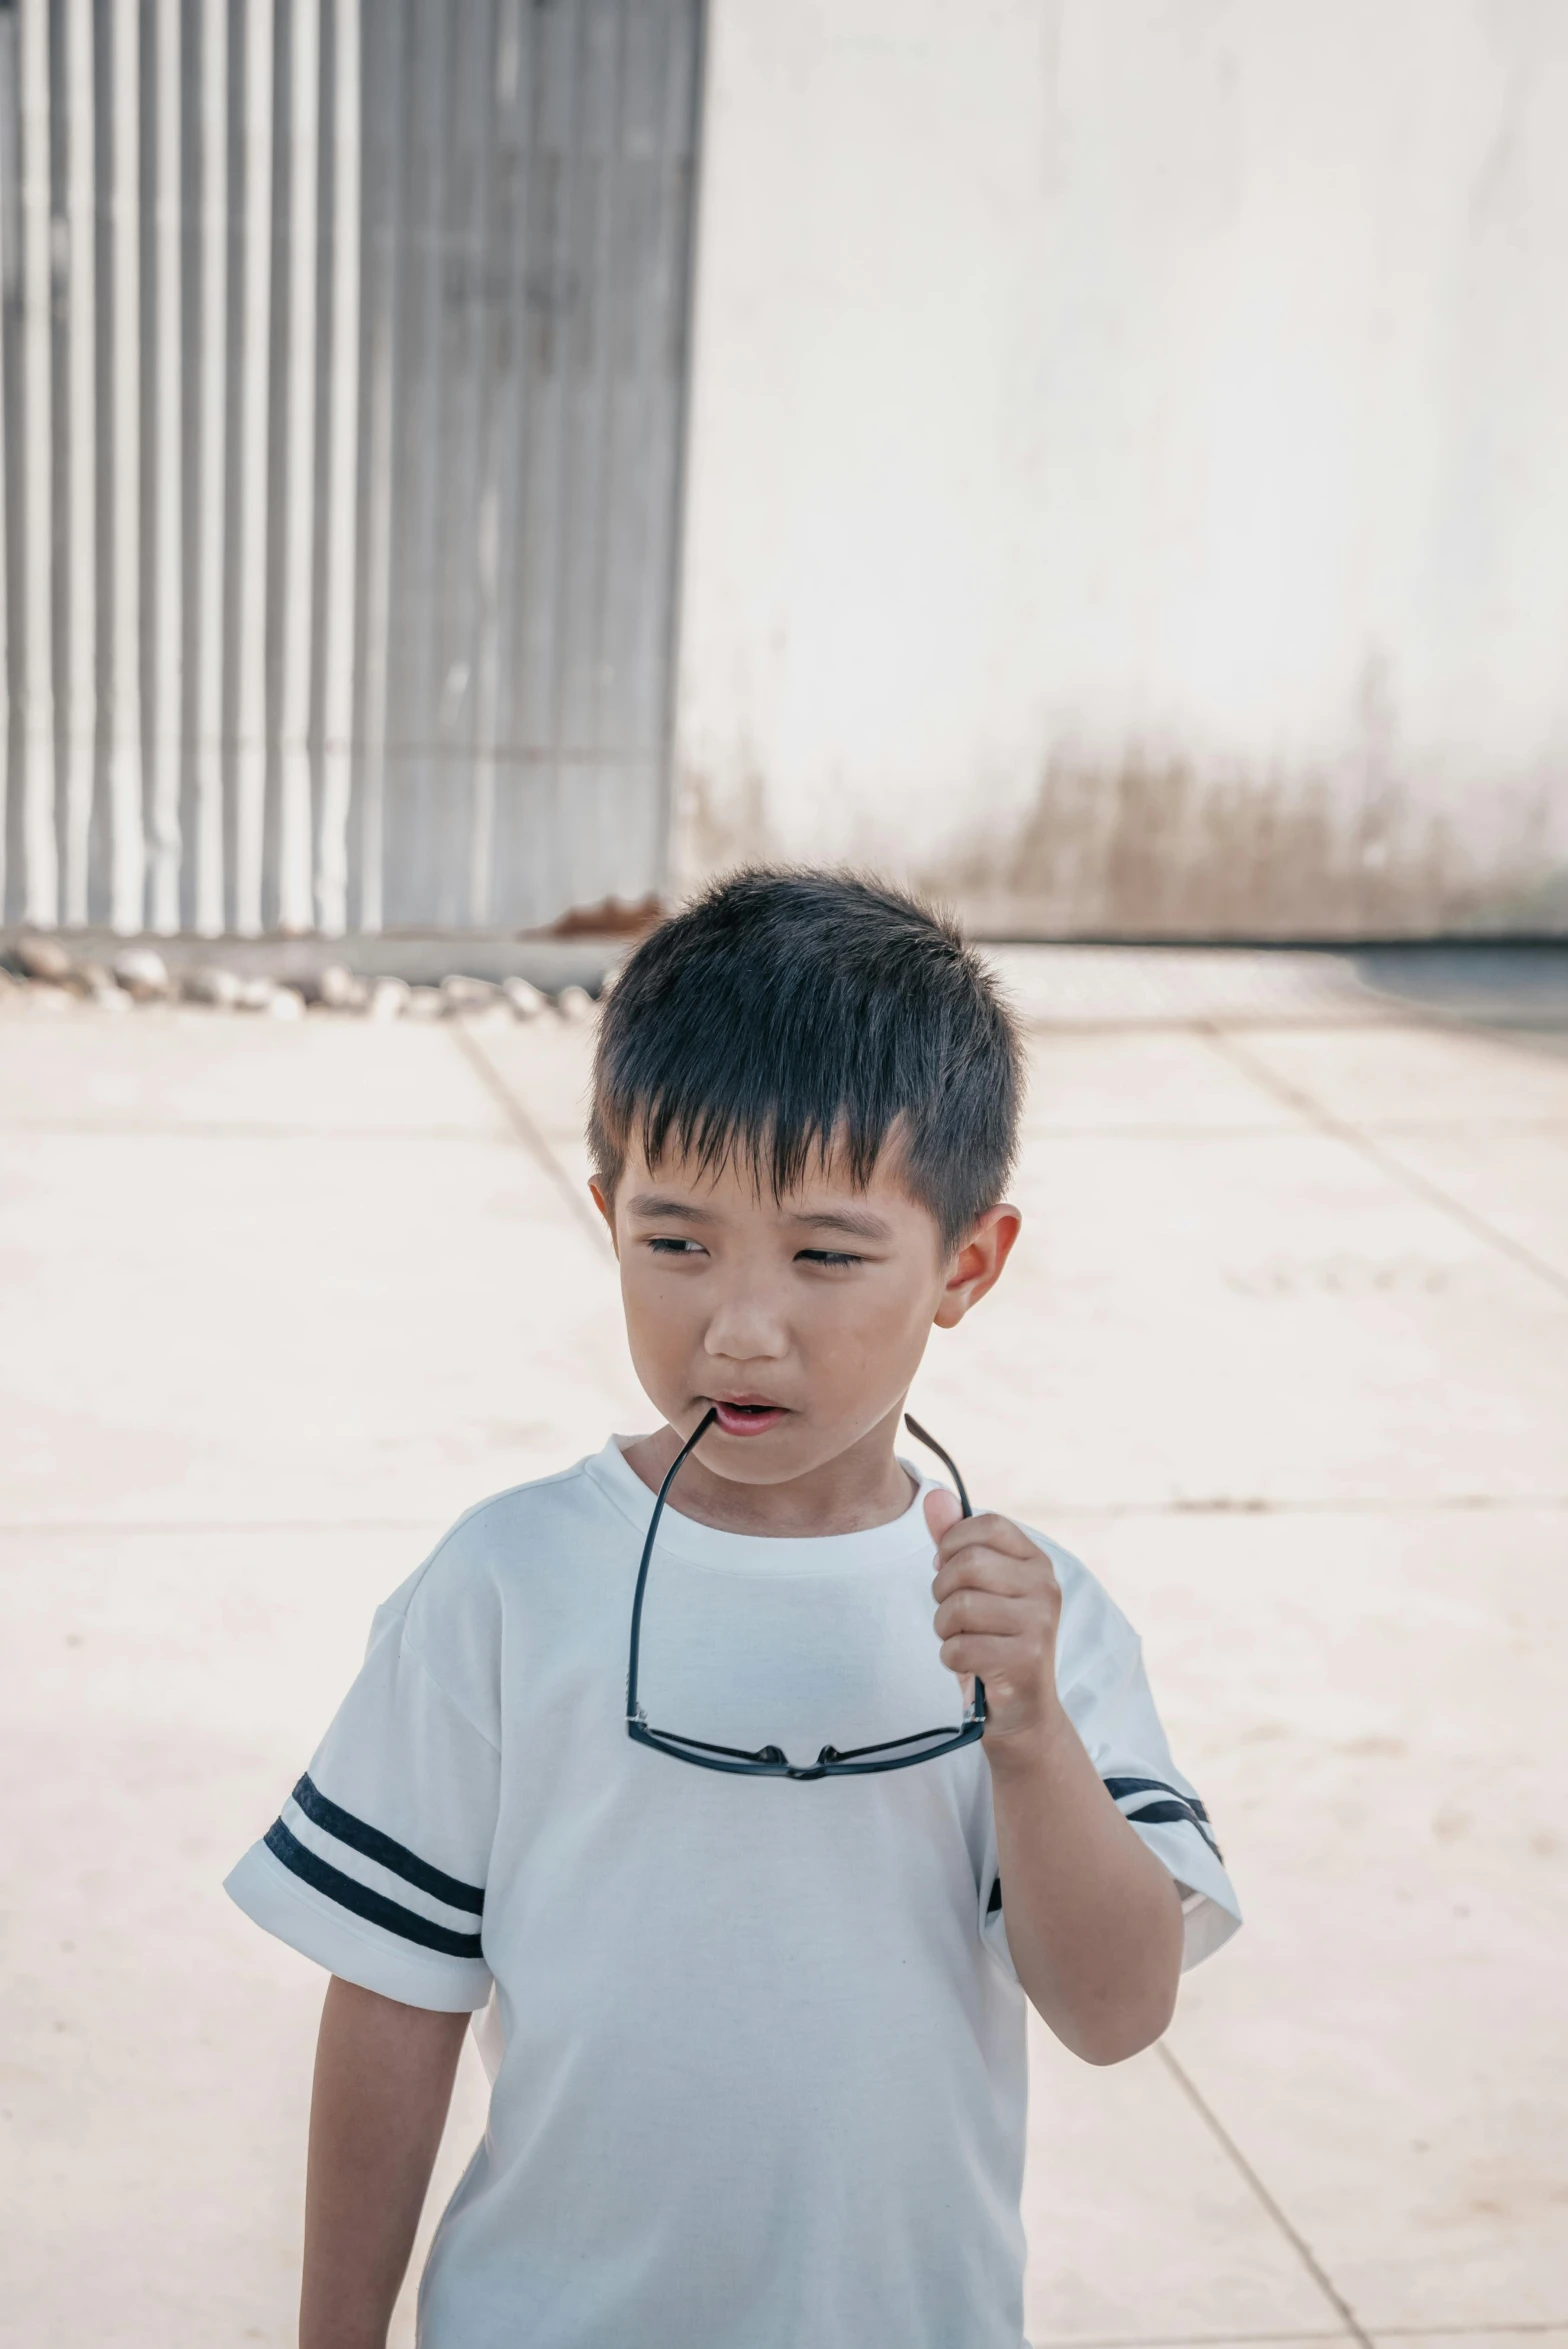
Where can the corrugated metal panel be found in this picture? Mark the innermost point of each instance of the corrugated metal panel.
(343, 374)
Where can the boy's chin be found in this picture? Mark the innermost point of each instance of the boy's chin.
(756, 1459)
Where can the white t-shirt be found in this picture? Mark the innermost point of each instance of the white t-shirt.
(757, 2047)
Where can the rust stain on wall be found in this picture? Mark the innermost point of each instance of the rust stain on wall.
(1155, 848)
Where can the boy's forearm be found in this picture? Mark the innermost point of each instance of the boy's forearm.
(1093, 1919)
(382, 2086)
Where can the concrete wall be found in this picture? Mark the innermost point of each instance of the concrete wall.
(1129, 479)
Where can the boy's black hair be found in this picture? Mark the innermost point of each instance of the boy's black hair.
(783, 1013)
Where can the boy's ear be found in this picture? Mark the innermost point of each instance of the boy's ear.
(977, 1265)
(596, 1194)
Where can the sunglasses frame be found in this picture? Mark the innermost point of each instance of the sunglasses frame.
(770, 1761)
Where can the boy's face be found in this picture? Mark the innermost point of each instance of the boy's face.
(802, 1320)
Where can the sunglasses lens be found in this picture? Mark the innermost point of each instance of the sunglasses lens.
(695, 1749)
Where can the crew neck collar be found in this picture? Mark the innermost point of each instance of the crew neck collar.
(708, 1545)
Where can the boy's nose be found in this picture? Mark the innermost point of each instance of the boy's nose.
(744, 1329)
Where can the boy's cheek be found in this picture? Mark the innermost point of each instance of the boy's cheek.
(657, 1353)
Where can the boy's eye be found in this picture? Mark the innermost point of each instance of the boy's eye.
(662, 1246)
(829, 1256)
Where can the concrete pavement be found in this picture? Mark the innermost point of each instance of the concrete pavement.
(1284, 1354)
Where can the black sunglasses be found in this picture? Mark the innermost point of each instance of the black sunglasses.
(770, 1761)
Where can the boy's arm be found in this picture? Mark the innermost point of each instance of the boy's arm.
(1094, 1919)
(383, 2083)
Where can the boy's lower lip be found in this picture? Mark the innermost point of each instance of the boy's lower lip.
(736, 1421)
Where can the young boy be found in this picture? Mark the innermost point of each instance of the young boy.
(756, 2039)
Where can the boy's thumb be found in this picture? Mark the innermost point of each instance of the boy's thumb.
(942, 1510)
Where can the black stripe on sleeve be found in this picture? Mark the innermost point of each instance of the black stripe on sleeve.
(1176, 1810)
(375, 1846)
(1117, 1787)
(349, 1893)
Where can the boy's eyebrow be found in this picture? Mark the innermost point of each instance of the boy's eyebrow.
(859, 1222)
(667, 1210)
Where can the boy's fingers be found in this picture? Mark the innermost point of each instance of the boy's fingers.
(942, 1511)
(996, 1533)
(993, 1570)
(978, 1610)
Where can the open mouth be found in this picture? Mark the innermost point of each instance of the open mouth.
(748, 1418)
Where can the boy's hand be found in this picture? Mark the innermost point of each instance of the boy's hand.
(998, 1605)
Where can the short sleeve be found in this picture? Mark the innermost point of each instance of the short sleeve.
(1103, 1686)
(375, 1867)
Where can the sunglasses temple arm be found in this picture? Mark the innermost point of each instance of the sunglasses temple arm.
(977, 1709)
(946, 1458)
(689, 1445)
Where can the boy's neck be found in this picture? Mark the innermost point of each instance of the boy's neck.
(858, 1488)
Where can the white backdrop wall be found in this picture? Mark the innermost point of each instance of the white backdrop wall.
(1128, 477)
